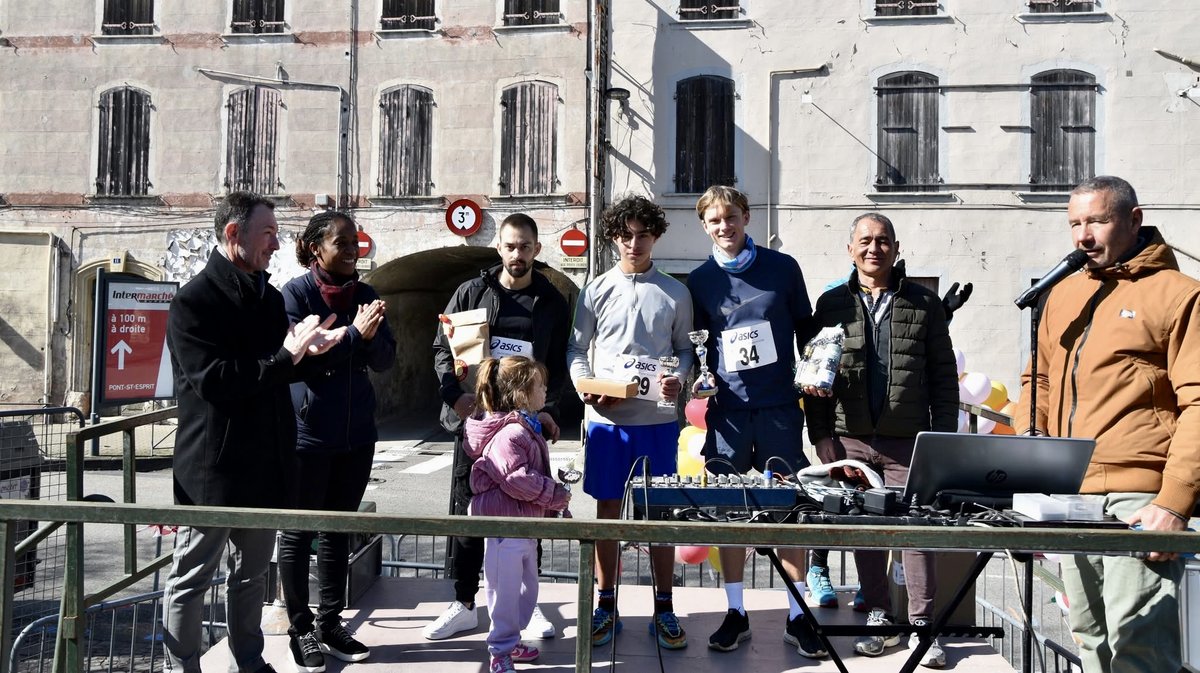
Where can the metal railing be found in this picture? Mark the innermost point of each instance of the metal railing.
(69, 650)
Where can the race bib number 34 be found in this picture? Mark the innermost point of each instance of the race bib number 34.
(748, 347)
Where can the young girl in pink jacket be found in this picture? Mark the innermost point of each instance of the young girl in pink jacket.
(510, 477)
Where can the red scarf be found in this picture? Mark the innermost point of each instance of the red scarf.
(337, 291)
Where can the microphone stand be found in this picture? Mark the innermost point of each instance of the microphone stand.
(1035, 319)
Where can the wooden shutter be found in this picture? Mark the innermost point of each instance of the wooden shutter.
(906, 8)
(908, 132)
(531, 12)
(529, 138)
(1060, 6)
(128, 17)
(124, 154)
(408, 15)
(250, 155)
(257, 16)
(1063, 117)
(704, 132)
(405, 142)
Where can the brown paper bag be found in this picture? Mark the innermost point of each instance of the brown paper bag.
(468, 335)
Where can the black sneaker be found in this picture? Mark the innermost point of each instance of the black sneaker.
(337, 642)
(306, 653)
(800, 632)
(734, 630)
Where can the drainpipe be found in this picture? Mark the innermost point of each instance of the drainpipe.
(51, 318)
(294, 84)
(773, 116)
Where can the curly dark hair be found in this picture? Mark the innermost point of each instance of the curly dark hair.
(614, 222)
(318, 226)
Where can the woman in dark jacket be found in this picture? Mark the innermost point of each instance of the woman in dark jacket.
(336, 434)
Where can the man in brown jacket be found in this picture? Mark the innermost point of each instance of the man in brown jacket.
(1119, 361)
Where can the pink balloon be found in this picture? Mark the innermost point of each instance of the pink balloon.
(691, 554)
(694, 412)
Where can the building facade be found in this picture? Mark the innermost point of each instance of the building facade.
(123, 121)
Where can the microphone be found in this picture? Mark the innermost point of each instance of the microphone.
(1069, 265)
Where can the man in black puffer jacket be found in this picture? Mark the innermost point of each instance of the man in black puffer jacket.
(897, 377)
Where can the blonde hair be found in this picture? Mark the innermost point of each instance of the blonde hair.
(505, 384)
(721, 195)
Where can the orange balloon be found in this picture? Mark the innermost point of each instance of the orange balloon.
(1002, 429)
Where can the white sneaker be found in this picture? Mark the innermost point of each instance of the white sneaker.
(539, 627)
(455, 619)
(935, 656)
(873, 646)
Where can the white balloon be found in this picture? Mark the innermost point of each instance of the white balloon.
(960, 361)
(964, 421)
(974, 388)
(695, 445)
(986, 425)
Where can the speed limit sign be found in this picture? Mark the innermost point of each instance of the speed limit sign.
(463, 217)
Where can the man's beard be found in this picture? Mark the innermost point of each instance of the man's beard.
(518, 270)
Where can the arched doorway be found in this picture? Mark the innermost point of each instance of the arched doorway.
(417, 288)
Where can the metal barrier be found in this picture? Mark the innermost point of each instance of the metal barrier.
(69, 650)
(33, 448)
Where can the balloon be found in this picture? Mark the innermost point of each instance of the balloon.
(960, 361)
(1009, 409)
(695, 446)
(974, 388)
(998, 397)
(964, 420)
(691, 554)
(694, 411)
(1002, 429)
(686, 435)
(985, 425)
(714, 558)
(689, 465)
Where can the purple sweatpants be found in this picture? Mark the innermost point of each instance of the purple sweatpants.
(510, 582)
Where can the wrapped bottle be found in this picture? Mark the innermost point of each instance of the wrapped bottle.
(821, 358)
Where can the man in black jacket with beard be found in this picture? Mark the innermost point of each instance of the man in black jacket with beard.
(233, 354)
(526, 316)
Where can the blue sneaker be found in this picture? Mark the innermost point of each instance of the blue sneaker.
(665, 626)
(820, 587)
(860, 603)
(605, 625)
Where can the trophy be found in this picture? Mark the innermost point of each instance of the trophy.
(708, 386)
(668, 363)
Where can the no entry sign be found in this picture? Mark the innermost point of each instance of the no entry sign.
(573, 243)
(132, 324)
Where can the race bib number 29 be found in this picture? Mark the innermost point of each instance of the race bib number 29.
(748, 347)
(640, 369)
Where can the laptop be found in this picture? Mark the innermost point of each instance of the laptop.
(994, 466)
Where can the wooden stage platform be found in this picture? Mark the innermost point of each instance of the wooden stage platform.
(390, 616)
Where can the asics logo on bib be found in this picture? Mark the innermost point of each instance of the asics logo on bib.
(743, 336)
(505, 346)
(641, 366)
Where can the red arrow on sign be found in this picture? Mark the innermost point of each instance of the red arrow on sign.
(573, 243)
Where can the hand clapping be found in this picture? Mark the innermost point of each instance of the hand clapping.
(369, 318)
(312, 336)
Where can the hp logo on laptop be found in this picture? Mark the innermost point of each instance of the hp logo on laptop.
(996, 476)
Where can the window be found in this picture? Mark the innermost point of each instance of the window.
(1061, 6)
(695, 10)
(405, 141)
(1063, 116)
(703, 133)
(906, 8)
(529, 138)
(124, 143)
(531, 12)
(257, 16)
(251, 145)
(908, 132)
(128, 17)
(407, 15)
